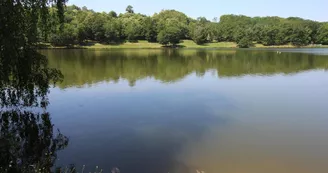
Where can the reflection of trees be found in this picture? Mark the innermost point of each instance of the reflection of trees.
(26, 83)
(85, 67)
(27, 140)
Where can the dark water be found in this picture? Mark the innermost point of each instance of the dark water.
(160, 111)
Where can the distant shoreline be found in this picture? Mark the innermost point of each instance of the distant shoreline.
(185, 44)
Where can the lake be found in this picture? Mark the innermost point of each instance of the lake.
(178, 111)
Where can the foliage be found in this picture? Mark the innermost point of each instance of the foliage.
(113, 29)
(169, 35)
(300, 36)
(323, 34)
(245, 42)
(27, 140)
(172, 17)
(231, 25)
(129, 9)
(199, 30)
(199, 35)
(23, 71)
(150, 29)
(131, 26)
(94, 26)
(68, 36)
(112, 14)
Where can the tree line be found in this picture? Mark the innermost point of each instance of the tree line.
(169, 27)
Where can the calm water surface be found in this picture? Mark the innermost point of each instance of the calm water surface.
(178, 111)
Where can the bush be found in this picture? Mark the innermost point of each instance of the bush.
(245, 43)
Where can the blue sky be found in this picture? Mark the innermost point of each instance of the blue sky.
(308, 9)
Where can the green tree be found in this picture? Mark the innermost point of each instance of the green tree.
(180, 20)
(232, 25)
(129, 9)
(112, 30)
(68, 36)
(169, 35)
(269, 34)
(133, 26)
(19, 59)
(199, 34)
(323, 34)
(257, 33)
(150, 29)
(300, 36)
(94, 23)
(81, 33)
(200, 30)
(112, 14)
(245, 42)
(216, 32)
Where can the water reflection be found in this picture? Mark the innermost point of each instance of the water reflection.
(28, 142)
(143, 135)
(229, 111)
(82, 67)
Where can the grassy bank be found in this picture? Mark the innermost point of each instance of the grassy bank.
(142, 44)
(290, 46)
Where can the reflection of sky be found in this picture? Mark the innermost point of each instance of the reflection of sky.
(242, 124)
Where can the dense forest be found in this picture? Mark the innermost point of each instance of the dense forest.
(169, 27)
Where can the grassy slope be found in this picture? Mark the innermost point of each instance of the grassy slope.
(142, 44)
(146, 44)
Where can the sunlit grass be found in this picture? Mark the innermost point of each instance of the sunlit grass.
(192, 44)
(143, 44)
(138, 45)
(289, 46)
(135, 45)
